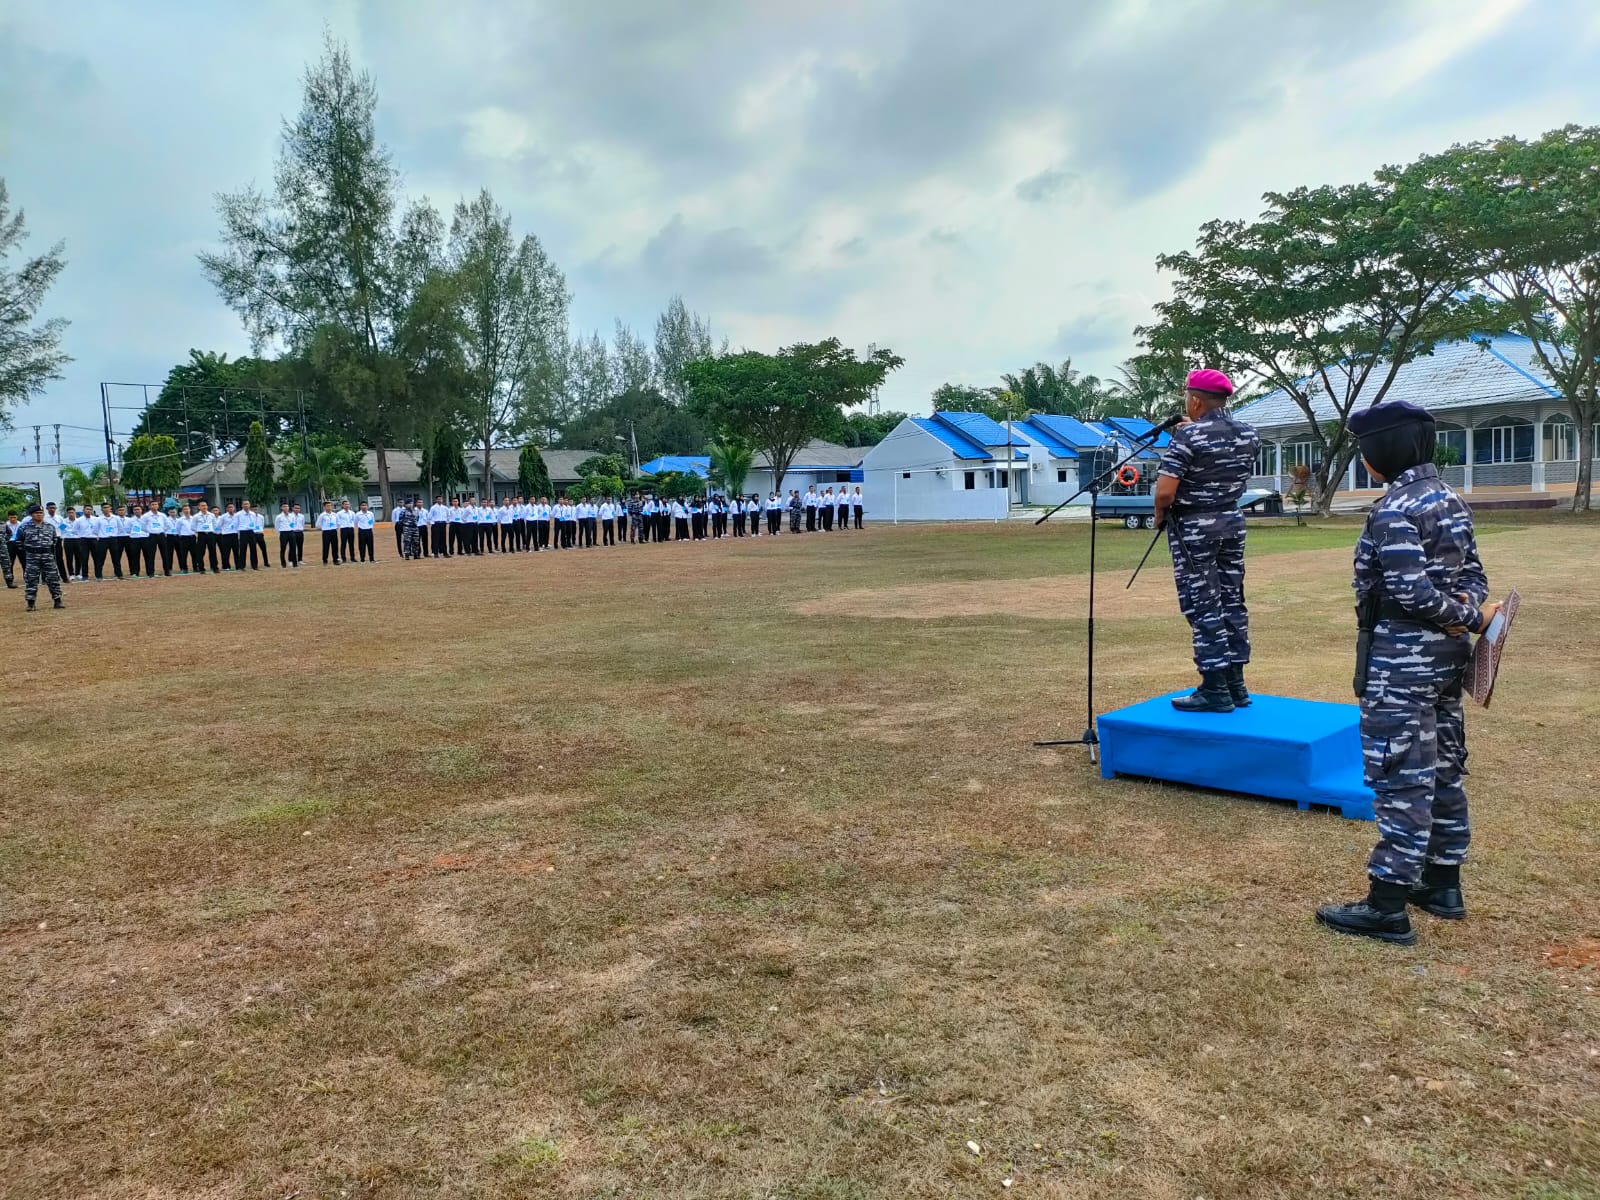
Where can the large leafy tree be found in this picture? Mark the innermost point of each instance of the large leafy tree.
(642, 417)
(861, 429)
(514, 313)
(779, 402)
(30, 354)
(207, 403)
(1526, 218)
(260, 480)
(322, 264)
(588, 377)
(151, 463)
(1325, 296)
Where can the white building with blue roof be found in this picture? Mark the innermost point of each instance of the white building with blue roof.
(951, 466)
(1495, 406)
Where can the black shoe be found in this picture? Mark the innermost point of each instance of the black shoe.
(1211, 696)
(1382, 915)
(30, 605)
(1236, 688)
(1439, 892)
(58, 604)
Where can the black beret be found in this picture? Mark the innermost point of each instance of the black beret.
(1387, 416)
(33, 508)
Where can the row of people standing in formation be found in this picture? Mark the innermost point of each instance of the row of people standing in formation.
(140, 539)
(442, 529)
(136, 541)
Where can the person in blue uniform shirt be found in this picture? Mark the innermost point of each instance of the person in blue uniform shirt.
(1205, 468)
(344, 519)
(1420, 591)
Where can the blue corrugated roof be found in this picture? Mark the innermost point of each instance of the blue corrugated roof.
(963, 446)
(689, 464)
(1038, 433)
(1069, 430)
(1136, 428)
(984, 430)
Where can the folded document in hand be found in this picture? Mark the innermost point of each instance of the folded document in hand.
(1485, 662)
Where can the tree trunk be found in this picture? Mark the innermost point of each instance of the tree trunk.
(1328, 482)
(383, 478)
(488, 472)
(1586, 415)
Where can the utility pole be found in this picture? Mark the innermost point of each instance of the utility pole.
(216, 470)
(634, 443)
(58, 443)
(36, 456)
(1011, 459)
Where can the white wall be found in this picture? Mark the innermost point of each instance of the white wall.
(44, 476)
(902, 482)
(1042, 485)
(798, 479)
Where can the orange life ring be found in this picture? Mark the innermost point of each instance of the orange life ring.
(1128, 476)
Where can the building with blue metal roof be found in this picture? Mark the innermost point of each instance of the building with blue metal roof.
(950, 466)
(1496, 407)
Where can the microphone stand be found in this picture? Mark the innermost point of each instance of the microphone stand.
(1160, 529)
(1094, 487)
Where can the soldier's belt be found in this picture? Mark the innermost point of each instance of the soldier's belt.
(1201, 512)
(1389, 610)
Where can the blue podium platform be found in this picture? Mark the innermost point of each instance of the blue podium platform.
(1307, 751)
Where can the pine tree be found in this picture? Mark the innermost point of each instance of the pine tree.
(260, 480)
(533, 477)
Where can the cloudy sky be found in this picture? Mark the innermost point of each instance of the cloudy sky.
(975, 185)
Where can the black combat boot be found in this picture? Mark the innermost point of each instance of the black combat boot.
(1381, 915)
(1440, 892)
(1211, 696)
(58, 603)
(30, 605)
(1236, 688)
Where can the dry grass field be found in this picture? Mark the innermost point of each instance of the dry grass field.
(729, 871)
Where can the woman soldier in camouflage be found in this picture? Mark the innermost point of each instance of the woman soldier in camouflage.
(1420, 589)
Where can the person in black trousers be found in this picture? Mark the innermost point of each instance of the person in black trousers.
(364, 524)
(328, 522)
(345, 522)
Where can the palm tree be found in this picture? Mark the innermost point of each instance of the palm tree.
(327, 467)
(731, 459)
(85, 487)
(1150, 387)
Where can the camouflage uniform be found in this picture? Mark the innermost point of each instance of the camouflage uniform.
(5, 557)
(410, 541)
(39, 541)
(1416, 556)
(1211, 458)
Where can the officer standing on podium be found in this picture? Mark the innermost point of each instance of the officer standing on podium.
(1207, 463)
(1420, 589)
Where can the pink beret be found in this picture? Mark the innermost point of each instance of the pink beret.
(1214, 382)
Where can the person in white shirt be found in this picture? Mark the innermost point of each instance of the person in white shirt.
(607, 514)
(364, 523)
(183, 538)
(329, 524)
(252, 535)
(857, 503)
(119, 540)
(810, 502)
(297, 551)
(67, 530)
(110, 542)
(205, 544)
(227, 536)
(774, 514)
(439, 527)
(842, 499)
(345, 521)
(155, 523)
(283, 525)
(825, 510)
(394, 519)
(752, 515)
(140, 551)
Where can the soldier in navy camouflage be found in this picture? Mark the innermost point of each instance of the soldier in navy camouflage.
(406, 524)
(1203, 473)
(38, 539)
(1420, 589)
(5, 556)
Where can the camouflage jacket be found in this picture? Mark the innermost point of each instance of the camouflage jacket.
(1212, 459)
(1418, 552)
(38, 537)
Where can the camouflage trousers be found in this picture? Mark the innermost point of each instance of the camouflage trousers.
(5, 559)
(1414, 754)
(410, 542)
(37, 565)
(1208, 568)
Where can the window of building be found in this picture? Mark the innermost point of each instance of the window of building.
(1560, 440)
(1267, 459)
(1453, 437)
(1299, 454)
(1004, 477)
(1061, 475)
(1503, 440)
(905, 474)
(972, 480)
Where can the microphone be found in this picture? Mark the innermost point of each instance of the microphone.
(1171, 422)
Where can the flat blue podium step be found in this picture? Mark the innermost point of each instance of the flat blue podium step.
(1307, 751)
